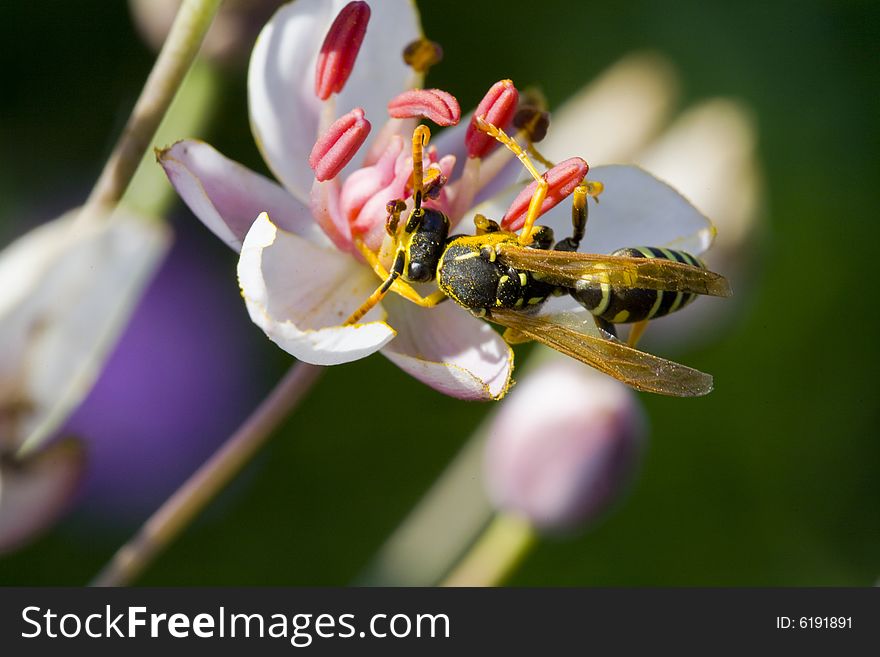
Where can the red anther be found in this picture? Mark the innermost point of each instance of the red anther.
(337, 146)
(434, 104)
(497, 107)
(340, 49)
(563, 178)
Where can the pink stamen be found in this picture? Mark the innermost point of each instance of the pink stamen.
(438, 106)
(340, 49)
(497, 107)
(563, 178)
(338, 145)
(367, 181)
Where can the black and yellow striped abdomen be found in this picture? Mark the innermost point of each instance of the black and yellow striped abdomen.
(619, 305)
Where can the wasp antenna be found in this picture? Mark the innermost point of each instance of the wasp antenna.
(421, 137)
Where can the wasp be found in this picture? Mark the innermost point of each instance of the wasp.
(506, 278)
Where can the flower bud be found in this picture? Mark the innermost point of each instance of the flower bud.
(340, 49)
(563, 445)
(433, 104)
(339, 144)
(562, 178)
(497, 107)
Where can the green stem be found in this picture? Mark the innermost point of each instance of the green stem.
(496, 553)
(193, 496)
(178, 52)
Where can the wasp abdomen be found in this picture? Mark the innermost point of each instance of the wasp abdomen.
(619, 305)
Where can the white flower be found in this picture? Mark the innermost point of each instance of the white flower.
(66, 289)
(300, 270)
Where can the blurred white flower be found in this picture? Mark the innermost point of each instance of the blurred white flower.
(66, 289)
(563, 445)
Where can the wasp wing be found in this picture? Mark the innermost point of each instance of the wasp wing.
(565, 268)
(578, 337)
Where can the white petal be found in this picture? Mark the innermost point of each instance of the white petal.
(36, 490)
(226, 196)
(286, 114)
(449, 350)
(300, 294)
(636, 209)
(615, 115)
(72, 289)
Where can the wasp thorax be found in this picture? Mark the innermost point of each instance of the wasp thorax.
(473, 275)
(468, 277)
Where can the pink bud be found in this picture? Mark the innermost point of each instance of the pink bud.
(340, 49)
(438, 106)
(563, 178)
(497, 107)
(566, 464)
(339, 144)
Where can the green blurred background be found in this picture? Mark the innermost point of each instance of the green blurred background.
(771, 480)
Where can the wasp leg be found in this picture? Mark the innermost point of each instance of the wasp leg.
(578, 221)
(635, 333)
(513, 336)
(540, 192)
(400, 287)
(381, 291)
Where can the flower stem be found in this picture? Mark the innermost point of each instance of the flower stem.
(174, 60)
(192, 497)
(495, 554)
